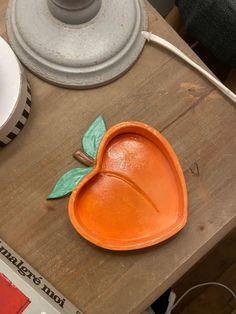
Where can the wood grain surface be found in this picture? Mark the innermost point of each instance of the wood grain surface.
(163, 92)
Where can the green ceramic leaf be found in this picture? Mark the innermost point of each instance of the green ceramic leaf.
(93, 137)
(68, 182)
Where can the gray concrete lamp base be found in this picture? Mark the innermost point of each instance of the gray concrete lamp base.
(78, 55)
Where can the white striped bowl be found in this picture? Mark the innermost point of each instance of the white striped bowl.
(15, 95)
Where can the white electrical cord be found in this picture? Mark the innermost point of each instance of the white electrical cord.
(170, 308)
(164, 43)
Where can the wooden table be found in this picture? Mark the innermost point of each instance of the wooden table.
(165, 93)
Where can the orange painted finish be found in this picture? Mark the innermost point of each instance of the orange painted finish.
(136, 195)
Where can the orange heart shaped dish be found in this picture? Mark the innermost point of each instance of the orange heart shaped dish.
(135, 196)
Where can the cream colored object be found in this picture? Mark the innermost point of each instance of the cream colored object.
(15, 96)
(164, 43)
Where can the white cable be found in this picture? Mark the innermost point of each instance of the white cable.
(164, 43)
(169, 310)
(171, 301)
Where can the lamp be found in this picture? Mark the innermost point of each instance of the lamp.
(77, 43)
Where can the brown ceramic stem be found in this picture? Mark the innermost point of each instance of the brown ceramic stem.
(84, 158)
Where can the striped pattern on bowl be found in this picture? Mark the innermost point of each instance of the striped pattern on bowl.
(22, 121)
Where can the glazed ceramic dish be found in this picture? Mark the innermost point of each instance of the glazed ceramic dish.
(15, 95)
(135, 196)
